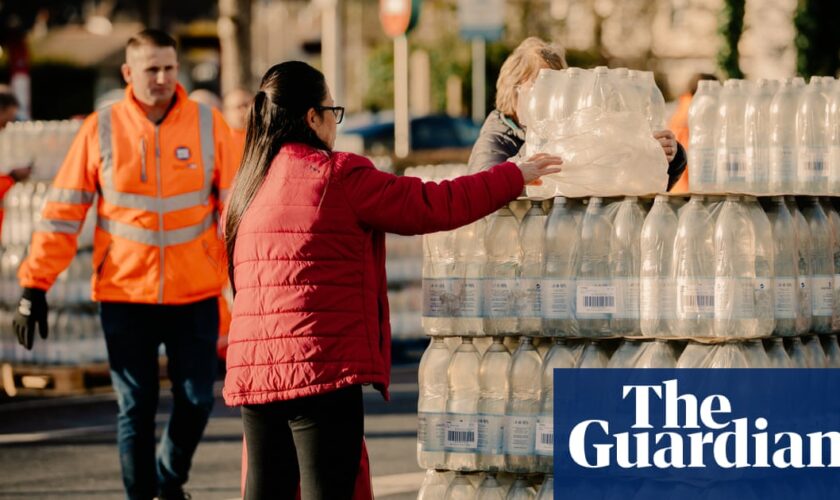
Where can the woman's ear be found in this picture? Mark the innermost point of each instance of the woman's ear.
(310, 117)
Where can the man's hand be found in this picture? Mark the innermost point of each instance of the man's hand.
(32, 310)
(668, 142)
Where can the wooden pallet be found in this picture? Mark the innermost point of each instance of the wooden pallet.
(54, 380)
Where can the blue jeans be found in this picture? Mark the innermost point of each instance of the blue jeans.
(133, 334)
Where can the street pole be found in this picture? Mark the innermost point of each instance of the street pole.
(402, 136)
(331, 49)
(479, 94)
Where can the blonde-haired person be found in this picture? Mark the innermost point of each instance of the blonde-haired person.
(502, 135)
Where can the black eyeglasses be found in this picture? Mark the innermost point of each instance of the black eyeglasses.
(338, 111)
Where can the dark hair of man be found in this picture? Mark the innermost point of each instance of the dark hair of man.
(151, 37)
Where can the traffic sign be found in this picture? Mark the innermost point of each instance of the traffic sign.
(398, 17)
(481, 18)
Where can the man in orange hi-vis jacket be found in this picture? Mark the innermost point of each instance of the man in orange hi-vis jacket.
(160, 164)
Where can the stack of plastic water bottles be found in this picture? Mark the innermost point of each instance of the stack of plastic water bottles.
(718, 279)
(75, 332)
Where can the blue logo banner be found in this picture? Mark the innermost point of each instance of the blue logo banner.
(650, 434)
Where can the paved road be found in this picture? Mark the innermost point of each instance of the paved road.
(65, 448)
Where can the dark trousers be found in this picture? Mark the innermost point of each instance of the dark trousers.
(315, 441)
(133, 334)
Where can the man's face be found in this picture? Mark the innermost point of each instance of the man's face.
(236, 108)
(152, 73)
(7, 115)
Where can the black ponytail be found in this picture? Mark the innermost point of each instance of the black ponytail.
(277, 116)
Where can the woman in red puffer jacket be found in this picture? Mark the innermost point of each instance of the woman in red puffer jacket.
(305, 232)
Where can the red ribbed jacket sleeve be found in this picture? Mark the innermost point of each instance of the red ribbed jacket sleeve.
(407, 205)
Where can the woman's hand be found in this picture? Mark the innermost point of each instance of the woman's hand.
(668, 142)
(539, 165)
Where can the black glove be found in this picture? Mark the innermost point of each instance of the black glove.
(31, 311)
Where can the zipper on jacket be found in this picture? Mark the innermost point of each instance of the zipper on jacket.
(161, 245)
(142, 159)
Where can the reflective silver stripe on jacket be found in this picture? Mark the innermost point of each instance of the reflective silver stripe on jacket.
(153, 236)
(70, 196)
(153, 203)
(58, 226)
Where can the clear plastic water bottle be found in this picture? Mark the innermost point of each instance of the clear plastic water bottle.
(797, 354)
(560, 356)
(460, 488)
(605, 94)
(656, 354)
(521, 490)
(470, 259)
(832, 350)
(758, 135)
(441, 286)
(574, 96)
(501, 272)
(657, 286)
(728, 355)
(558, 287)
(593, 356)
(595, 293)
(812, 140)
(431, 405)
(764, 268)
(731, 162)
(776, 353)
(696, 355)
(546, 491)
(783, 110)
(694, 271)
(814, 351)
(461, 440)
(656, 103)
(625, 262)
(804, 250)
(523, 406)
(735, 314)
(490, 489)
(626, 354)
(702, 139)
(492, 402)
(532, 238)
(834, 222)
(434, 485)
(782, 226)
(834, 137)
(756, 355)
(822, 265)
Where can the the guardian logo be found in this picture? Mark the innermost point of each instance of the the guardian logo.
(665, 434)
(694, 432)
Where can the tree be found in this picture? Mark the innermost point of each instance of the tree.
(731, 28)
(817, 38)
(235, 40)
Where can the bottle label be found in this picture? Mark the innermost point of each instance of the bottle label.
(627, 298)
(822, 295)
(556, 294)
(529, 298)
(500, 298)
(461, 432)
(812, 162)
(732, 164)
(472, 298)
(491, 434)
(656, 298)
(783, 162)
(704, 158)
(442, 297)
(785, 298)
(734, 298)
(519, 434)
(431, 431)
(595, 297)
(545, 436)
(696, 297)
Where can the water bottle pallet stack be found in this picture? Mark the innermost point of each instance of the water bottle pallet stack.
(73, 359)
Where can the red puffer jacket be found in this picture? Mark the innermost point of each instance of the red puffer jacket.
(311, 308)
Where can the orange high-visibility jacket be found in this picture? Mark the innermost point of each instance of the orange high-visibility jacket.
(159, 193)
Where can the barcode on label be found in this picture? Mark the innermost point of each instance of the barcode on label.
(599, 302)
(460, 436)
(816, 166)
(547, 439)
(698, 300)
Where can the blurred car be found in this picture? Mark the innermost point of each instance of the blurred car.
(427, 133)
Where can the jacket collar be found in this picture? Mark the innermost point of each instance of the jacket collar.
(180, 98)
